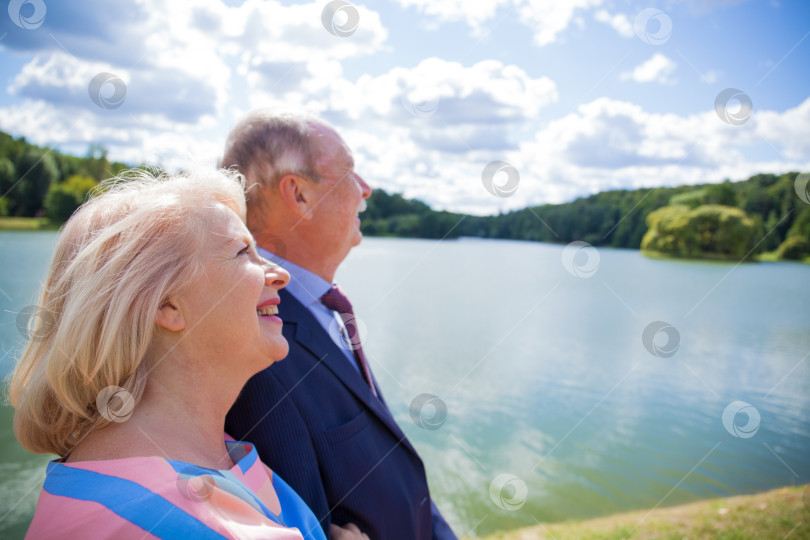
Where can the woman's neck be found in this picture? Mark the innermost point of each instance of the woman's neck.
(185, 425)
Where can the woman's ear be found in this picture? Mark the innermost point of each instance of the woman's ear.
(295, 194)
(170, 316)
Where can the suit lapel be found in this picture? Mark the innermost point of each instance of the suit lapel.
(311, 335)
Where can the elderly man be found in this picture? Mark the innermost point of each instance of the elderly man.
(318, 417)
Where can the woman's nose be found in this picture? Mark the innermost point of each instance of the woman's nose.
(275, 276)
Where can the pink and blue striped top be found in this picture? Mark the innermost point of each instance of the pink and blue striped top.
(153, 497)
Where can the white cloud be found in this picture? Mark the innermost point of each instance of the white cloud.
(656, 69)
(487, 92)
(619, 22)
(609, 144)
(605, 144)
(475, 14)
(545, 18)
(174, 96)
(270, 31)
(177, 57)
(427, 130)
(444, 105)
(184, 64)
(147, 139)
(549, 19)
(789, 130)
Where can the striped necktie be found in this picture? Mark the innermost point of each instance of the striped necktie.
(336, 300)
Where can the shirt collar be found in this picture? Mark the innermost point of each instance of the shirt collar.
(305, 286)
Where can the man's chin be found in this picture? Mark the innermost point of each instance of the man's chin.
(358, 234)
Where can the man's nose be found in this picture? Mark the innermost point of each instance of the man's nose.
(366, 189)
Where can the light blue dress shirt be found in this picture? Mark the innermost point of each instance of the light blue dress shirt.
(308, 288)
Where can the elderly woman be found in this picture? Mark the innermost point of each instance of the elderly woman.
(155, 313)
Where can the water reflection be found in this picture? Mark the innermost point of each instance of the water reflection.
(545, 375)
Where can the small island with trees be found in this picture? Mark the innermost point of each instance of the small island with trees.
(761, 218)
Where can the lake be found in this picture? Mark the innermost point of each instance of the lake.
(543, 382)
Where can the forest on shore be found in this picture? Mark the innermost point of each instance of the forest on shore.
(730, 220)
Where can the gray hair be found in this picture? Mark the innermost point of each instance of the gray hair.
(267, 144)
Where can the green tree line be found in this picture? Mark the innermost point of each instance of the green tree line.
(731, 219)
(39, 181)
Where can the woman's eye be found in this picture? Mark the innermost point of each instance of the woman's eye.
(244, 251)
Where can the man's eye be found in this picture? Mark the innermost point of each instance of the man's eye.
(244, 251)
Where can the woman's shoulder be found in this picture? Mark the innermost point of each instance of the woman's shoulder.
(124, 498)
(114, 497)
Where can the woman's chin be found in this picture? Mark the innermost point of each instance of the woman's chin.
(278, 352)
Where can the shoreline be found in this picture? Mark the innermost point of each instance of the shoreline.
(27, 224)
(43, 224)
(779, 513)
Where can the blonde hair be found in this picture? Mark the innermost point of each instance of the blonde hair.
(117, 260)
(267, 144)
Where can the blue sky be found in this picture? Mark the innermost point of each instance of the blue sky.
(579, 96)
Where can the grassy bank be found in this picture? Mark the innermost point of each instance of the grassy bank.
(773, 256)
(26, 224)
(706, 257)
(781, 514)
(769, 256)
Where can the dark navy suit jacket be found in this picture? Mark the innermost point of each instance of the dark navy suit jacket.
(314, 421)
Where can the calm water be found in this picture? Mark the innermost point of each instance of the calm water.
(544, 401)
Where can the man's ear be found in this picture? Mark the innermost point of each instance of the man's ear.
(170, 316)
(296, 194)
